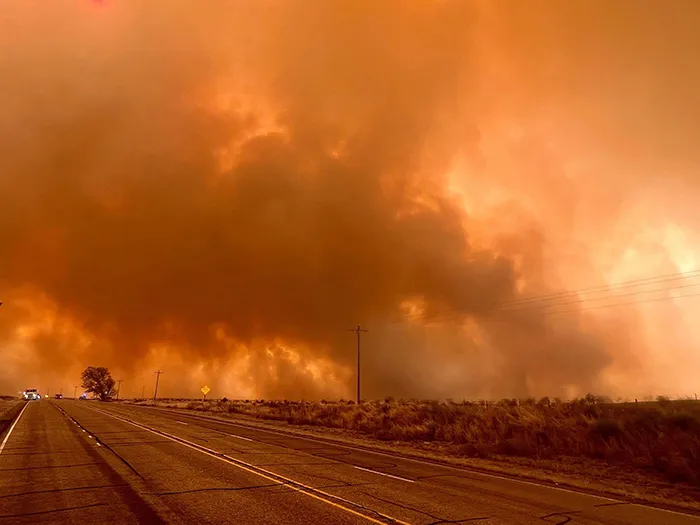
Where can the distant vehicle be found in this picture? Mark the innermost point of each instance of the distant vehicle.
(31, 394)
(83, 396)
(59, 396)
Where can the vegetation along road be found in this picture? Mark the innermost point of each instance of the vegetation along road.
(69, 461)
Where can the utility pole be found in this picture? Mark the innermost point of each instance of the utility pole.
(155, 394)
(75, 391)
(119, 387)
(358, 330)
(143, 392)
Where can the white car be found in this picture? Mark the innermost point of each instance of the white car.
(31, 394)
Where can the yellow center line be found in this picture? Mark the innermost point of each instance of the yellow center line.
(263, 473)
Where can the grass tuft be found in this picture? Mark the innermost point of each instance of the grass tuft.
(662, 436)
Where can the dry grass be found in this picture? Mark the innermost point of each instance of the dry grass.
(661, 437)
(6, 405)
(9, 408)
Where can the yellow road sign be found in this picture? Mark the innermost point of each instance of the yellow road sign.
(205, 390)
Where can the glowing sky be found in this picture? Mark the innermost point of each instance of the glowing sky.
(222, 190)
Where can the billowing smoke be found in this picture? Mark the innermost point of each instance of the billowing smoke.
(221, 191)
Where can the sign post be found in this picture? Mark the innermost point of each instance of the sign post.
(205, 391)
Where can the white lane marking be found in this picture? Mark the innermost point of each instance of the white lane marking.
(421, 461)
(89, 436)
(407, 458)
(4, 441)
(181, 422)
(646, 507)
(415, 460)
(383, 474)
(248, 467)
(240, 437)
(98, 444)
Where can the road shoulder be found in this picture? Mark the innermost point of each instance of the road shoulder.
(590, 477)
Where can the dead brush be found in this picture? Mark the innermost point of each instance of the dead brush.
(664, 436)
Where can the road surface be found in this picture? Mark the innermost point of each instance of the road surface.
(86, 462)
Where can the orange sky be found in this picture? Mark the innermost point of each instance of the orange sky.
(221, 191)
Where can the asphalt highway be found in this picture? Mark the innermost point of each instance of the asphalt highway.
(87, 462)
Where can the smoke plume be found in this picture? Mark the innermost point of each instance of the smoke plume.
(222, 191)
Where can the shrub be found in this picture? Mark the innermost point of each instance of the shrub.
(665, 437)
(606, 429)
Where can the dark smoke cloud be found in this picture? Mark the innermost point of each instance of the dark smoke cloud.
(341, 121)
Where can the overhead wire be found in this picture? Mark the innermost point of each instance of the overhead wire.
(560, 298)
(606, 287)
(653, 299)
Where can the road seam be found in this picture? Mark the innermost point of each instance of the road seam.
(421, 461)
(384, 474)
(14, 424)
(266, 474)
(97, 440)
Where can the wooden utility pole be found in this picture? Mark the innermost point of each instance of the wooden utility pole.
(155, 393)
(75, 391)
(119, 387)
(358, 330)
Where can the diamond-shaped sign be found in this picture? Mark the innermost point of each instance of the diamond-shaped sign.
(205, 390)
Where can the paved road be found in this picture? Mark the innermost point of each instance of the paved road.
(128, 464)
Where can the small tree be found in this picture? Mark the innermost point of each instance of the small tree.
(97, 379)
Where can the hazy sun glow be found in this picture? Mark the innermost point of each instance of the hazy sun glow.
(221, 197)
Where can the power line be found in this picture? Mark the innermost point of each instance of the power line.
(518, 306)
(545, 311)
(578, 301)
(607, 287)
(651, 300)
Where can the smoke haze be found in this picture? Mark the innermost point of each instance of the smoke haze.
(222, 191)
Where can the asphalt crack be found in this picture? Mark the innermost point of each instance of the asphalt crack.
(136, 443)
(99, 441)
(284, 483)
(43, 512)
(334, 480)
(294, 464)
(564, 515)
(50, 466)
(459, 521)
(437, 519)
(49, 491)
(216, 489)
(5, 453)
